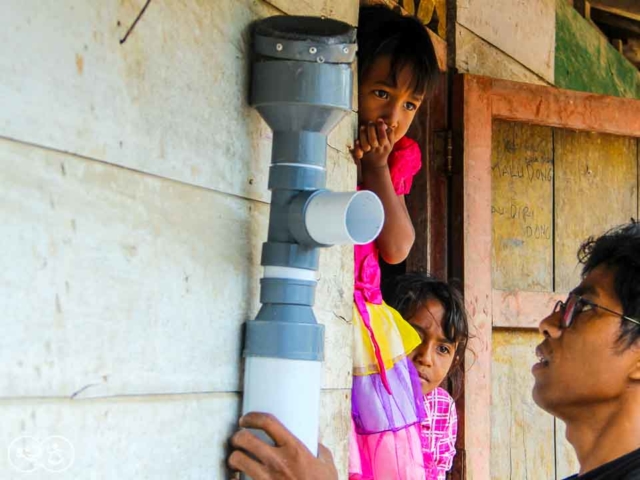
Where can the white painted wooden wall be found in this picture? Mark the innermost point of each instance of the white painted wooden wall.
(133, 206)
(508, 39)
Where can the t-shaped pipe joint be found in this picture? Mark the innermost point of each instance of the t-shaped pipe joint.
(322, 218)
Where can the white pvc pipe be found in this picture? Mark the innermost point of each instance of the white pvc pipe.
(288, 389)
(346, 217)
(298, 165)
(290, 272)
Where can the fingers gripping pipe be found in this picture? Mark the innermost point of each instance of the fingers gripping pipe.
(302, 86)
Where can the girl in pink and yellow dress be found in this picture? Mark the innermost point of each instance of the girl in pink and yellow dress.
(397, 67)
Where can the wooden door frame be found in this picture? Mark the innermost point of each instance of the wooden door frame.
(477, 102)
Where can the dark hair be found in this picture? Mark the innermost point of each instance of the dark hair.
(381, 31)
(619, 250)
(412, 290)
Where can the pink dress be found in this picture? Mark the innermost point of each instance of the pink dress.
(386, 403)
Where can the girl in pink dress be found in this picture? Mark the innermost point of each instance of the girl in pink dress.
(436, 311)
(397, 67)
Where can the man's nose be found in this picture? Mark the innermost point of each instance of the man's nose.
(550, 326)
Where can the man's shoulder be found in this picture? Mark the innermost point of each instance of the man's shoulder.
(633, 475)
(626, 467)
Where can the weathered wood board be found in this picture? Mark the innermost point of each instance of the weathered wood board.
(172, 100)
(335, 425)
(522, 206)
(159, 437)
(347, 11)
(522, 435)
(524, 30)
(477, 56)
(522, 309)
(596, 188)
(133, 284)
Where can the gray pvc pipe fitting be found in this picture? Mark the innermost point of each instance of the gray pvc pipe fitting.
(302, 86)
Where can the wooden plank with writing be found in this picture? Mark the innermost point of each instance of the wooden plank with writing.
(522, 207)
(521, 434)
(596, 188)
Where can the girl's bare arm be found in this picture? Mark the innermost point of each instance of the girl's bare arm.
(372, 150)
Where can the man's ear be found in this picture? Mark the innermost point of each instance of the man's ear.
(634, 373)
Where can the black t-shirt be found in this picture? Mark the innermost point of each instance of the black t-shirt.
(626, 467)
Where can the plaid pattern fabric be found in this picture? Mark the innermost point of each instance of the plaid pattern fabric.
(439, 432)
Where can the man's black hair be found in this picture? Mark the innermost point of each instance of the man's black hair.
(619, 250)
(382, 31)
(411, 291)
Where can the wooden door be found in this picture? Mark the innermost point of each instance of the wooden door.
(428, 201)
(536, 171)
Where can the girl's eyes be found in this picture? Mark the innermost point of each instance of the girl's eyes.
(384, 95)
(444, 349)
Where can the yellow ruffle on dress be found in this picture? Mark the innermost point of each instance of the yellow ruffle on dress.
(395, 338)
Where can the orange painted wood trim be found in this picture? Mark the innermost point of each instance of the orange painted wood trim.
(477, 272)
(520, 309)
(565, 108)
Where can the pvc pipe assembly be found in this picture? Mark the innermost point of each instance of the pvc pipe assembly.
(302, 86)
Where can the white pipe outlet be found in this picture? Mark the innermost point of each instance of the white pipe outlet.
(344, 218)
(288, 389)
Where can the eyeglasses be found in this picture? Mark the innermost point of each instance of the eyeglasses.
(574, 305)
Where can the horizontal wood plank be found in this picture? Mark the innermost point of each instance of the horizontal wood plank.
(521, 309)
(159, 437)
(172, 100)
(477, 56)
(344, 10)
(565, 108)
(126, 283)
(522, 29)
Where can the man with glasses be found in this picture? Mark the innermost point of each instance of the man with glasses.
(588, 375)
